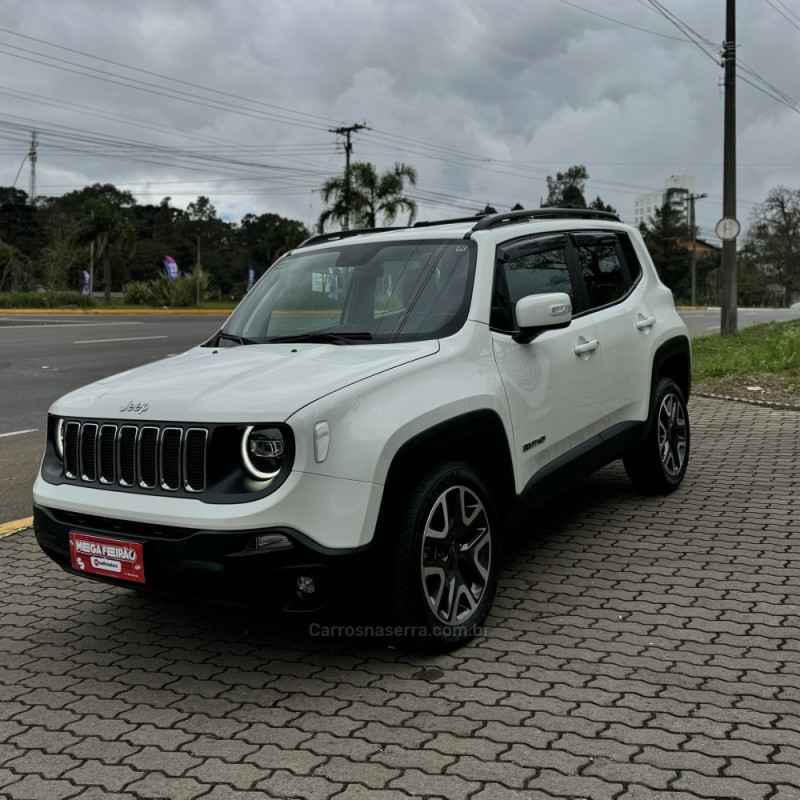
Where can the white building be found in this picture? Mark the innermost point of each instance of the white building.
(675, 193)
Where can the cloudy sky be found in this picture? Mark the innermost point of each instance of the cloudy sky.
(236, 99)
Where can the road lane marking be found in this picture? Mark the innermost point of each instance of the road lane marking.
(7, 528)
(129, 339)
(68, 325)
(18, 433)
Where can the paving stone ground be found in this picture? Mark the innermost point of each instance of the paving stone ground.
(638, 649)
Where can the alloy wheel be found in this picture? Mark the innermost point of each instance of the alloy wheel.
(456, 555)
(672, 434)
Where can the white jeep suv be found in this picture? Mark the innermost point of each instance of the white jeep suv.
(381, 407)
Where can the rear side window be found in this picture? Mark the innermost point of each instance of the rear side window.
(608, 264)
(601, 267)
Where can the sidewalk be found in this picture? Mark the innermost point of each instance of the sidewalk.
(640, 648)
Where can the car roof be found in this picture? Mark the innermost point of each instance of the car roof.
(464, 227)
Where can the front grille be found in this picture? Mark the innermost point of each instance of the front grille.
(144, 456)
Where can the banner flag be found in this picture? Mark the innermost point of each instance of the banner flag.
(171, 266)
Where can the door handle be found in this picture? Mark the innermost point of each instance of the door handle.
(646, 322)
(585, 347)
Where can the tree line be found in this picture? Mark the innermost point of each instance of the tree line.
(48, 244)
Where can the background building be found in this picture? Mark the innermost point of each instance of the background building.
(675, 193)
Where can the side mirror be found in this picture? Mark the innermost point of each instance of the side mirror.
(541, 312)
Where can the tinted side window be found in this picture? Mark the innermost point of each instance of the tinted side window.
(536, 266)
(601, 267)
(532, 266)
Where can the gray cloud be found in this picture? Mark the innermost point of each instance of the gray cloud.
(484, 98)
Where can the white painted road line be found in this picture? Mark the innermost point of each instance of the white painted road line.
(130, 339)
(68, 324)
(18, 433)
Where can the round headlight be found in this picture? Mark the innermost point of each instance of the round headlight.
(58, 438)
(263, 452)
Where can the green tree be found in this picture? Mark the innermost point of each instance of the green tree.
(753, 278)
(666, 237)
(262, 239)
(15, 271)
(774, 233)
(567, 190)
(105, 226)
(360, 195)
(157, 228)
(201, 210)
(60, 255)
(20, 224)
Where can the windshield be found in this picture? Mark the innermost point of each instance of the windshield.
(359, 293)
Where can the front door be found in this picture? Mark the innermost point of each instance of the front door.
(554, 384)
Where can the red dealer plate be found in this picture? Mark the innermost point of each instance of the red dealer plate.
(110, 558)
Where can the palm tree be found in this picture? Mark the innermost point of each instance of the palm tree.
(104, 226)
(360, 195)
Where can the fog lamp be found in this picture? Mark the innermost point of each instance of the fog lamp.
(271, 541)
(306, 584)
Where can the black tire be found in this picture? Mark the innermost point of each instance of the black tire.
(658, 464)
(446, 555)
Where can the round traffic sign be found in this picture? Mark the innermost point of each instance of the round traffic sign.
(728, 228)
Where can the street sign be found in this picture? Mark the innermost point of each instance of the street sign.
(728, 228)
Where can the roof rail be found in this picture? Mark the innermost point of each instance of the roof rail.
(336, 235)
(510, 217)
(428, 222)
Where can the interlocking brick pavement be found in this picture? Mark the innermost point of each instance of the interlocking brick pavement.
(640, 648)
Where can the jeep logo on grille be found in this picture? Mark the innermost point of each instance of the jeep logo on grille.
(134, 408)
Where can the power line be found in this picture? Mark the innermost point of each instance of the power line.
(784, 15)
(705, 46)
(163, 77)
(617, 21)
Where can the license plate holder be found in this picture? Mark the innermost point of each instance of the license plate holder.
(103, 555)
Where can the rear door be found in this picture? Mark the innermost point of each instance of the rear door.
(617, 304)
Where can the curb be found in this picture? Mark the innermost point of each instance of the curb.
(7, 528)
(85, 311)
(748, 401)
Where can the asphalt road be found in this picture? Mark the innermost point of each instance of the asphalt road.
(707, 320)
(43, 356)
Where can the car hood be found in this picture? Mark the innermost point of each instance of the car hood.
(252, 383)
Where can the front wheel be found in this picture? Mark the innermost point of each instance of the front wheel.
(658, 464)
(446, 558)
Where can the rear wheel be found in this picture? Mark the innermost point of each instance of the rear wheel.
(658, 464)
(446, 556)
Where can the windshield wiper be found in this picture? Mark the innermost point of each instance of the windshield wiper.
(326, 337)
(232, 337)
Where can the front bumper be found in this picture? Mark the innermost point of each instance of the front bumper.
(212, 565)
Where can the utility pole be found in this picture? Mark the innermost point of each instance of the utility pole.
(198, 271)
(347, 131)
(728, 320)
(693, 234)
(32, 159)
